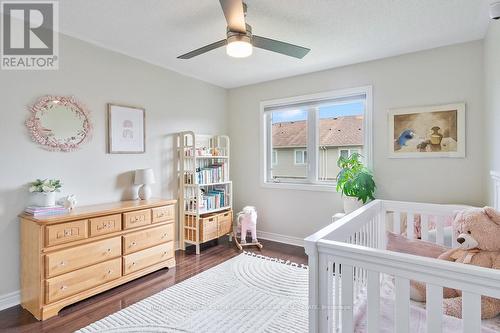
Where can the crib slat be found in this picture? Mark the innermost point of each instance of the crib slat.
(424, 226)
(381, 229)
(373, 301)
(434, 308)
(347, 299)
(323, 296)
(454, 243)
(330, 295)
(440, 230)
(336, 304)
(402, 310)
(409, 225)
(471, 312)
(397, 222)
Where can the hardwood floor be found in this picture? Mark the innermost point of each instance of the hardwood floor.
(81, 314)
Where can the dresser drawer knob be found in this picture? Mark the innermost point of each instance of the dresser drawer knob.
(110, 271)
(63, 288)
(133, 264)
(108, 251)
(62, 263)
(165, 253)
(164, 235)
(133, 244)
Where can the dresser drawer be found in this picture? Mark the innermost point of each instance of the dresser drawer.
(136, 219)
(72, 283)
(65, 232)
(105, 225)
(80, 256)
(146, 238)
(139, 260)
(162, 214)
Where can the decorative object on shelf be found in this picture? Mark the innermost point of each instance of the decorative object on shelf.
(70, 202)
(44, 192)
(205, 188)
(355, 182)
(126, 129)
(144, 177)
(435, 131)
(59, 123)
(246, 221)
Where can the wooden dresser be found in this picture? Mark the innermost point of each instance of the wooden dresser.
(67, 258)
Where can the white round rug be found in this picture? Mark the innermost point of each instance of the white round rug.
(248, 293)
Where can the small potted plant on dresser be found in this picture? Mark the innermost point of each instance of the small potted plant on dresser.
(44, 192)
(355, 182)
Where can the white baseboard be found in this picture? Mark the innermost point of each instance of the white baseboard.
(297, 241)
(9, 300)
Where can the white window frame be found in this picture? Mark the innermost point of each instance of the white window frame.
(304, 156)
(311, 183)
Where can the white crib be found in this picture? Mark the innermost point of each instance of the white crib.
(355, 247)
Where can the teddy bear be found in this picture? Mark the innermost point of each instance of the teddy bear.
(477, 232)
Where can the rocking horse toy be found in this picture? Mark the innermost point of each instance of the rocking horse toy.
(246, 221)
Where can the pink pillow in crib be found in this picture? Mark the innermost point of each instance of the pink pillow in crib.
(399, 243)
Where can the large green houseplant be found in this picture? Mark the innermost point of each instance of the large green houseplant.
(355, 182)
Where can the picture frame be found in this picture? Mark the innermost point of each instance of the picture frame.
(126, 129)
(427, 132)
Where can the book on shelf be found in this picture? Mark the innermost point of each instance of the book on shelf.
(209, 174)
(216, 198)
(38, 211)
(213, 173)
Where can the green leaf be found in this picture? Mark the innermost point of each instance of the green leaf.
(354, 179)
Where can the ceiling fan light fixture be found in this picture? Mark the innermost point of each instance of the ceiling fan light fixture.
(239, 47)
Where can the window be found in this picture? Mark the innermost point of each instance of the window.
(275, 157)
(347, 152)
(300, 156)
(310, 133)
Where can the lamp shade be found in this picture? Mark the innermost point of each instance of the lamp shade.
(144, 176)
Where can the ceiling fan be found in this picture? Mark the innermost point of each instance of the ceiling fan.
(240, 41)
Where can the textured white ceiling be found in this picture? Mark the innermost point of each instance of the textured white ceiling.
(339, 32)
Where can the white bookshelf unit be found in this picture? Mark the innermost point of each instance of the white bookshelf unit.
(205, 188)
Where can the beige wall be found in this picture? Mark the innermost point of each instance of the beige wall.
(444, 75)
(95, 76)
(286, 167)
(492, 106)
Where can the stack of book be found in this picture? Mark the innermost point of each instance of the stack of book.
(214, 173)
(216, 198)
(38, 211)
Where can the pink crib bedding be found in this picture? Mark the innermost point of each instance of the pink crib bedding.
(417, 314)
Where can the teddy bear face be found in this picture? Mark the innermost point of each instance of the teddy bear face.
(478, 228)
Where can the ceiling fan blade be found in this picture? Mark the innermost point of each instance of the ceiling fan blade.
(235, 15)
(203, 49)
(280, 47)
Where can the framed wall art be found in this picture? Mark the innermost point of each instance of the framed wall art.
(126, 129)
(430, 131)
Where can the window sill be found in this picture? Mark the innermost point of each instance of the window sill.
(330, 187)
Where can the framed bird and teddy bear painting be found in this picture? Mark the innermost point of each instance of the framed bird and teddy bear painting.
(431, 131)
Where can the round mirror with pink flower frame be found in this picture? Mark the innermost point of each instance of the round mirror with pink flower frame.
(59, 123)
